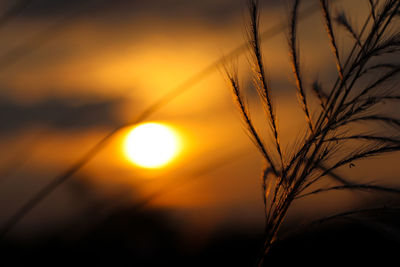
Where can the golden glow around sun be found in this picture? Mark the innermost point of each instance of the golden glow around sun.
(151, 145)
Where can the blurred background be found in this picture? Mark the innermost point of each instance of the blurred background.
(73, 71)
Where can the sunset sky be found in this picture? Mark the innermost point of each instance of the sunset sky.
(72, 71)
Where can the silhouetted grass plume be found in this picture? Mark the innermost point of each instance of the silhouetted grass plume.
(351, 99)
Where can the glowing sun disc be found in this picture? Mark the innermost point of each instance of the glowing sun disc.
(151, 145)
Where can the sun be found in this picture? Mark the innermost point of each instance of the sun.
(151, 145)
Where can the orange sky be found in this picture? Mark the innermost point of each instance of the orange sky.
(125, 59)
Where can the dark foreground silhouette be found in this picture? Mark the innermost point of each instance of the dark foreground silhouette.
(148, 238)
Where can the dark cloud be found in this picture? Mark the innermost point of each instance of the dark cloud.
(169, 9)
(58, 113)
